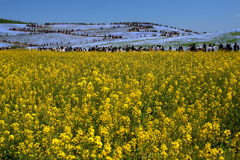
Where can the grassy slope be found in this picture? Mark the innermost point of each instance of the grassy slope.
(8, 21)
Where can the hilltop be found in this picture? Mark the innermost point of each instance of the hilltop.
(12, 21)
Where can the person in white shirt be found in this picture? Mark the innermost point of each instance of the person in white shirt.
(210, 48)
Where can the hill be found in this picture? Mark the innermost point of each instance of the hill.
(114, 34)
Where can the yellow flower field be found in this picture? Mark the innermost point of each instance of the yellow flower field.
(133, 105)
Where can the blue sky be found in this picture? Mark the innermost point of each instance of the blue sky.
(204, 15)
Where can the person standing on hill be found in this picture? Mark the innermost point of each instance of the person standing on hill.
(220, 47)
(228, 47)
(204, 47)
(193, 47)
(199, 48)
(210, 48)
(236, 47)
(213, 47)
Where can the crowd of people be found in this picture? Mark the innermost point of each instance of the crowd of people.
(32, 44)
(43, 30)
(27, 34)
(137, 24)
(162, 33)
(212, 47)
(69, 32)
(75, 23)
(133, 48)
(5, 48)
(193, 47)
